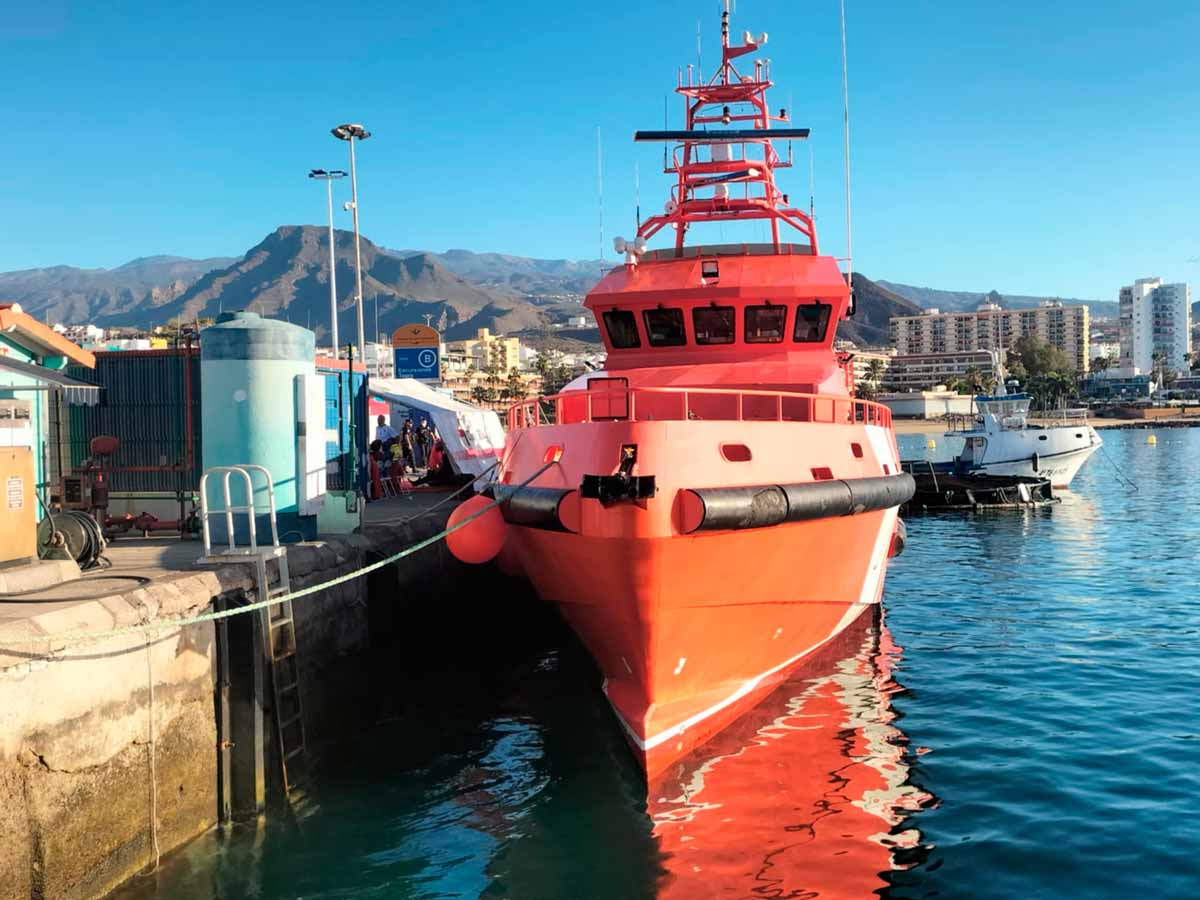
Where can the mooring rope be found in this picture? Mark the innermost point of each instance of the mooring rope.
(1121, 476)
(83, 637)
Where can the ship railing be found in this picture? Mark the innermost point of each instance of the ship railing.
(663, 404)
(1065, 416)
(963, 421)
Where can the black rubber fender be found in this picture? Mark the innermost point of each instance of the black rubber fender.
(762, 506)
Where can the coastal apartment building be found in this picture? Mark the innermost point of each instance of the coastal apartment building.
(924, 371)
(863, 361)
(488, 351)
(991, 328)
(1155, 326)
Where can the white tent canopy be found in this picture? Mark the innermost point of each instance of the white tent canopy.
(474, 437)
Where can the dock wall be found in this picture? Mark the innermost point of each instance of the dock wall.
(98, 740)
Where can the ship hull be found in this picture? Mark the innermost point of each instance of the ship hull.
(1060, 468)
(690, 632)
(1056, 452)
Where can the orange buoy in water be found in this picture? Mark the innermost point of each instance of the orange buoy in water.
(480, 540)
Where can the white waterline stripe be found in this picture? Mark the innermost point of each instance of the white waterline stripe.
(854, 611)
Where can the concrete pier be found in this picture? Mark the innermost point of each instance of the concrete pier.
(98, 741)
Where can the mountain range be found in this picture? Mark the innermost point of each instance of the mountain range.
(286, 275)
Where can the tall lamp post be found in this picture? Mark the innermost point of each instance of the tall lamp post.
(349, 132)
(328, 178)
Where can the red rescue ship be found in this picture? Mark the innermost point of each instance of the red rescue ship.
(716, 505)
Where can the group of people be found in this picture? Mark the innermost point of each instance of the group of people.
(413, 446)
(396, 453)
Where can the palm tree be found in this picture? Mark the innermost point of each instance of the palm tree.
(973, 380)
(516, 385)
(1101, 363)
(875, 370)
(479, 394)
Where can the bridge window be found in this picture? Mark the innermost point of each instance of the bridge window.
(664, 327)
(812, 321)
(713, 324)
(764, 324)
(622, 329)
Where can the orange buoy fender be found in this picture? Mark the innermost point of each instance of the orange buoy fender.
(481, 539)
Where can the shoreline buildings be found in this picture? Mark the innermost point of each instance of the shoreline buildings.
(990, 327)
(1155, 327)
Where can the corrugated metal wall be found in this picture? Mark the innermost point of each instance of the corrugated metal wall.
(143, 404)
(337, 423)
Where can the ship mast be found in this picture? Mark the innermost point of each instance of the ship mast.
(727, 173)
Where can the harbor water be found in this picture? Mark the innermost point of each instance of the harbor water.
(1021, 721)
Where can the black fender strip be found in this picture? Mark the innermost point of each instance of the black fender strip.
(532, 507)
(773, 504)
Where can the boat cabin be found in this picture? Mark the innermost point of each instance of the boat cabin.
(994, 414)
(1007, 411)
(728, 305)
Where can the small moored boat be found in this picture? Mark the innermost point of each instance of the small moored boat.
(1000, 441)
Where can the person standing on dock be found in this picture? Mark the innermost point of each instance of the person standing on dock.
(383, 431)
(407, 443)
(425, 441)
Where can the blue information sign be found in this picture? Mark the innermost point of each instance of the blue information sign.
(416, 362)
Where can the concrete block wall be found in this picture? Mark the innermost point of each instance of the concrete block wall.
(75, 728)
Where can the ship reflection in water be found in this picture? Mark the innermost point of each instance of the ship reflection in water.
(805, 796)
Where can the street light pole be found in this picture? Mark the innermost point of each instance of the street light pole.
(349, 132)
(328, 178)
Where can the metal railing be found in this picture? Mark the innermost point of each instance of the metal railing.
(694, 404)
(244, 472)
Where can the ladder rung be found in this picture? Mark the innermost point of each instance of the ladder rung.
(281, 621)
(286, 723)
(294, 686)
(292, 753)
(285, 654)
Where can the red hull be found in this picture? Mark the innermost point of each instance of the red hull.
(690, 630)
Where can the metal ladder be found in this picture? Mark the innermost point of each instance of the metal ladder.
(280, 631)
(278, 621)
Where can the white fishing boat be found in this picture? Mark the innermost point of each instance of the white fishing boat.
(1001, 441)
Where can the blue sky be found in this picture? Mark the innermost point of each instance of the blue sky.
(1031, 147)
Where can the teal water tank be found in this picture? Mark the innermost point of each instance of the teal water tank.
(248, 368)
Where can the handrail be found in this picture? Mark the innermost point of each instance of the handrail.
(636, 404)
(244, 471)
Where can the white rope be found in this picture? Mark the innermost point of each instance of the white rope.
(82, 637)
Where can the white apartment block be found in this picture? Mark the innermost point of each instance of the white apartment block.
(991, 328)
(1155, 325)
